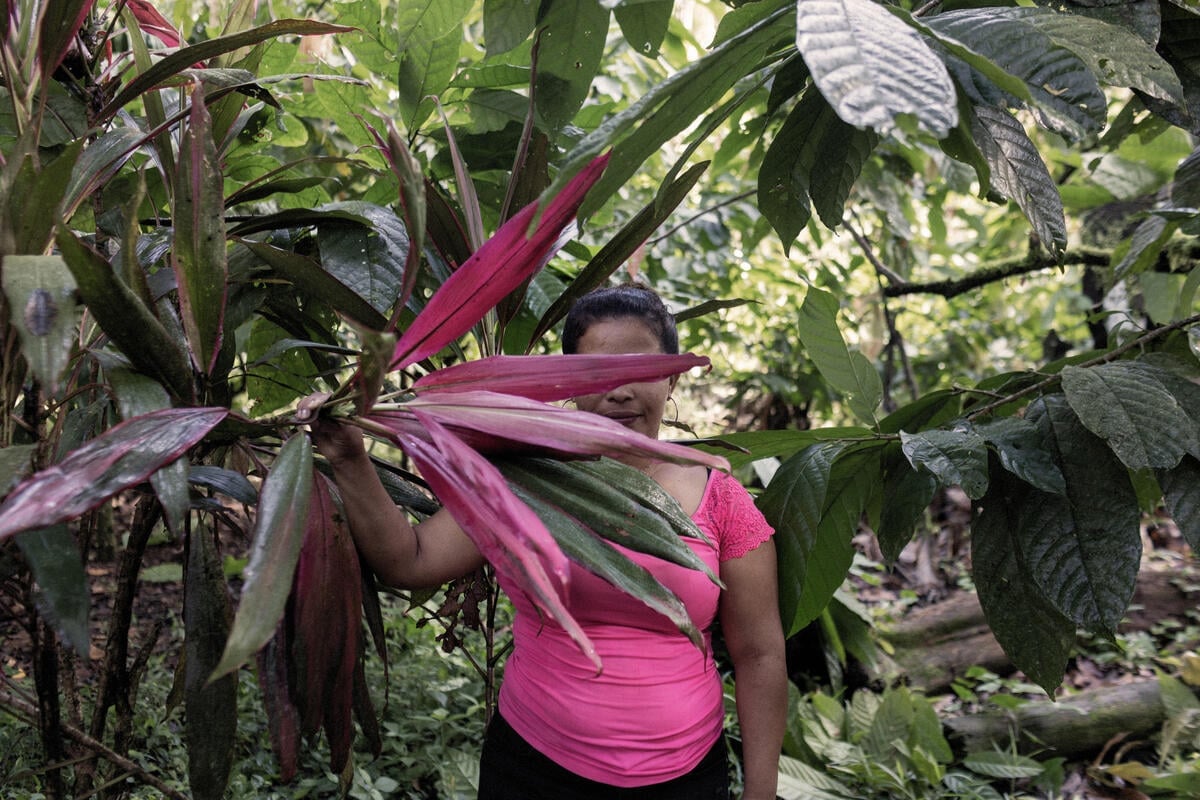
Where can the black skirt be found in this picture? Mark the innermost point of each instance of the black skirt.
(512, 769)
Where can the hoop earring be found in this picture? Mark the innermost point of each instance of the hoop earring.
(674, 405)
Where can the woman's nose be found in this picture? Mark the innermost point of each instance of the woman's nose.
(620, 394)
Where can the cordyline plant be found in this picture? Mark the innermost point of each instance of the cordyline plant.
(123, 214)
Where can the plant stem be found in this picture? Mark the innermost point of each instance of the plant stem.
(18, 707)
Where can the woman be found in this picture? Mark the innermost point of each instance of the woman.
(650, 724)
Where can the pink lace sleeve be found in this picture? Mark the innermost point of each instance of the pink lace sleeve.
(736, 523)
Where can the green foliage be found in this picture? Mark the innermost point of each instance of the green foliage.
(889, 745)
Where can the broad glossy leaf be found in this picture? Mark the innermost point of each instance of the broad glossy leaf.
(125, 318)
(503, 263)
(40, 192)
(62, 585)
(793, 503)
(506, 24)
(644, 24)
(368, 259)
(955, 458)
(907, 493)
(1022, 452)
(1032, 632)
(872, 67)
(554, 377)
(41, 296)
(198, 252)
(518, 421)
(569, 51)
(619, 504)
(852, 477)
(1129, 409)
(1115, 53)
(98, 163)
(604, 560)
(1065, 94)
(123, 456)
(310, 278)
(427, 65)
(1018, 172)
(506, 531)
(749, 446)
(1082, 550)
(846, 371)
(210, 706)
(136, 395)
(228, 482)
(279, 529)
(1181, 495)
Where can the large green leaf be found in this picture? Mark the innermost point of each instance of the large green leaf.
(871, 67)
(848, 372)
(907, 493)
(751, 446)
(125, 318)
(604, 560)
(572, 40)
(1065, 94)
(62, 584)
(41, 292)
(507, 23)
(368, 258)
(16, 461)
(123, 456)
(1082, 550)
(619, 503)
(1115, 53)
(278, 534)
(426, 68)
(955, 458)
(198, 252)
(1032, 632)
(814, 502)
(667, 109)
(644, 24)
(1181, 495)
(210, 706)
(1021, 451)
(814, 155)
(1018, 172)
(1133, 412)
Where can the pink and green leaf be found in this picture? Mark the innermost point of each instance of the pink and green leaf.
(555, 377)
(198, 254)
(283, 723)
(278, 535)
(124, 455)
(493, 420)
(502, 264)
(506, 531)
(154, 23)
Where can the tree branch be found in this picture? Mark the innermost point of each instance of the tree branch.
(1033, 261)
(1111, 355)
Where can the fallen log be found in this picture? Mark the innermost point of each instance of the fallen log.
(1073, 727)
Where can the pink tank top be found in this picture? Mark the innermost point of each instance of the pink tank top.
(656, 708)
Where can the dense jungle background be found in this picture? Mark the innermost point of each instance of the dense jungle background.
(936, 261)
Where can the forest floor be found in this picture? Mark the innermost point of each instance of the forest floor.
(933, 571)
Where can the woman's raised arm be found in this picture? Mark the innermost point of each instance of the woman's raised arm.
(399, 553)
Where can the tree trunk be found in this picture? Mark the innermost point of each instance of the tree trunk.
(1075, 726)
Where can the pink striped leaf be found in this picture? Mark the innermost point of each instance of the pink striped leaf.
(550, 378)
(152, 22)
(527, 426)
(503, 263)
(506, 531)
(125, 455)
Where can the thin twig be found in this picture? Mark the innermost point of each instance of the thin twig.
(18, 707)
(1111, 355)
(700, 214)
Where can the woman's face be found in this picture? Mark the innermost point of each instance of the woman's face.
(637, 406)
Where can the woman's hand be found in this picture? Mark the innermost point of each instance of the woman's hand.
(340, 443)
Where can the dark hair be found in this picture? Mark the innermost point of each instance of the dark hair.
(616, 302)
